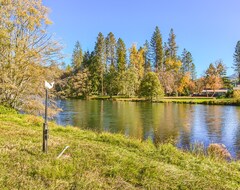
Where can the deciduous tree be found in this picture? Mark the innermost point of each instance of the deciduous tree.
(28, 55)
(150, 86)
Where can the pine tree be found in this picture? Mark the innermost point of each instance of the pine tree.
(111, 49)
(121, 56)
(172, 46)
(87, 59)
(147, 57)
(112, 86)
(77, 56)
(157, 50)
(121, 63)
(222, 72)
(187, 64)
(99, 64)
(193, 72)
(236, 58)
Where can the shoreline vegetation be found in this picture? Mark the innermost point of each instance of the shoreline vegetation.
(180, 100)
(101, 160)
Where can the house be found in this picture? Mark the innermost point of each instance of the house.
(215, 93)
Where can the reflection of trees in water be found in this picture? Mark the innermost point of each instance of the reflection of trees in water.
(214, 121)
(237, 133)
(88, 114)
(128, 119)
(164, 120)
(146, 111)
(186, 118)
(237, 143)
(181, 122)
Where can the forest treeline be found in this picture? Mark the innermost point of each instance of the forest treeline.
(151, 70)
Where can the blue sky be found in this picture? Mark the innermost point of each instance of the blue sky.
(209, 29)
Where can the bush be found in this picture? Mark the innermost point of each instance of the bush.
(236, 94)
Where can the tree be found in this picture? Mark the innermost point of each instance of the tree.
(99, 64)
(222, 72)
(111, 49)
(187, 64)
(150, 86)
(137, 60)
(147, 57)
(121, 56)
(236, 58)
(200, 85)
(77, 56)
(28, 55)
(131, 81)
(157, 50)
(88, 58)
(186, 85)
(167, 80)
(112, 81)
(81, 85)
(213, 78)
(121, 62)
(172, 46)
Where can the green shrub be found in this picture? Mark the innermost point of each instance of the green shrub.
(6, 110)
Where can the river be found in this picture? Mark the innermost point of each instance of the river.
(186, 124)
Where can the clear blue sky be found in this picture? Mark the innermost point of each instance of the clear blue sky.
(209, 29)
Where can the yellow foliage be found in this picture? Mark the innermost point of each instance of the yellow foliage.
(236, 94)
(137, 60)
(172, 64)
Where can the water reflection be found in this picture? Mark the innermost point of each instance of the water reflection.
(184, 123)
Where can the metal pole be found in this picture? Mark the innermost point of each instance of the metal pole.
(45, 125)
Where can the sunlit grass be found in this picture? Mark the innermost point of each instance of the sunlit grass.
(100, 160)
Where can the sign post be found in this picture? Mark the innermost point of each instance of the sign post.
(45, 124)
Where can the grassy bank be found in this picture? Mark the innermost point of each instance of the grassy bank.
(100, 161)
(179, 100)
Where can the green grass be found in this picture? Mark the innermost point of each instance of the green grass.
(100, 161)
(179, 100)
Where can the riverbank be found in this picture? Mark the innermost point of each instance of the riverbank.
(100, 161)
(179, 100)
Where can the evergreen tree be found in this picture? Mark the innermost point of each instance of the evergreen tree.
(166, 53)
(77, 56)
(147, 57)
(187, 64)
(172, 46)
(121, 56)
(193, 72)
(236, 58)
(222, 72)
(87, 59)
(99, 64)
(112, 84)
(111, 49)
(157, 50)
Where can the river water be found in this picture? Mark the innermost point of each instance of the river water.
(184, 123)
